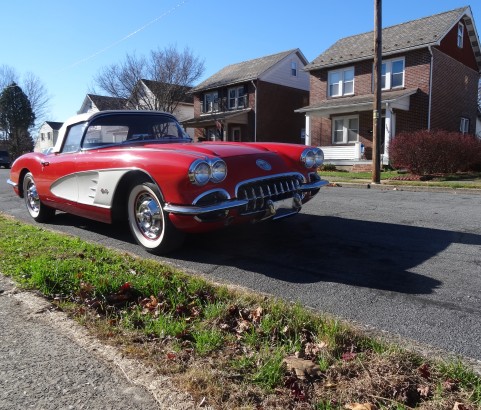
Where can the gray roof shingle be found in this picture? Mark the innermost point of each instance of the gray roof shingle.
(244, 71)
(399, 38)
(103, 102)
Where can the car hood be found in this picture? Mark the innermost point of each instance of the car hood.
(223, 150)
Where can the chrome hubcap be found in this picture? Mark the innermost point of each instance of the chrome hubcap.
(148, 216)
(33, 201)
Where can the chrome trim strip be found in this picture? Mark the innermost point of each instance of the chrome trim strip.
(193, 210)
(313, 185)
(211, 191)
(10, 182)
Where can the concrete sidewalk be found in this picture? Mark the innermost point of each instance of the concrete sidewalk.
(49, 362)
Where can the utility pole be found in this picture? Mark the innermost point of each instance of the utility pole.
(376, 113)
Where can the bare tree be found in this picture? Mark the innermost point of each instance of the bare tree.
(119, 80)
(38, 96)
(158, 82)
(8, 76)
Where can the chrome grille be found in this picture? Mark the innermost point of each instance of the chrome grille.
(259, 191)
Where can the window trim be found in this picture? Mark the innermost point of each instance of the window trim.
(236, 98)
(460, 35)
(294, 68)
(464, 125)
(388, 76)
(345, 136)
(214, 95)
(341, 83)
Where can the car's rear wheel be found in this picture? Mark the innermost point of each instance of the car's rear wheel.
(149, 223)
(37, 210)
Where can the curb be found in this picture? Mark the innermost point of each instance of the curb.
(411, 188)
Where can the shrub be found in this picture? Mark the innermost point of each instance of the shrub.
(328, 167)
(430, 152)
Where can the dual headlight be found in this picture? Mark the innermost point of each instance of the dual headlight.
(202, 171)
(312, 157)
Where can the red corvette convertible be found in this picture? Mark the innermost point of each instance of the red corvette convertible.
(142, 167)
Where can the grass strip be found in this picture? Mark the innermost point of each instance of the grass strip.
(229, 348)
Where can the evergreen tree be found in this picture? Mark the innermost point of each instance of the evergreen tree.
(16, 117)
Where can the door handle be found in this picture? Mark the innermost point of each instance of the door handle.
(45, 163)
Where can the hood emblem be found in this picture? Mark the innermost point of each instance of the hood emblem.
(263, 165)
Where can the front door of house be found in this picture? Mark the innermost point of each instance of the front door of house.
(235, 134)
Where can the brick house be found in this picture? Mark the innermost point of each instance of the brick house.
(430, 74)
(253, 100)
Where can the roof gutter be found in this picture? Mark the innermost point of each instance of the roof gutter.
(430, 87)
(255, 110)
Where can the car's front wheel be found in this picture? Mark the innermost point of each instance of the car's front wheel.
(37, 210)
(149, 223)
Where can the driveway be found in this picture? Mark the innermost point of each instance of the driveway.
(406, 264)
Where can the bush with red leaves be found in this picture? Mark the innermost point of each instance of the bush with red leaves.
(432, 152)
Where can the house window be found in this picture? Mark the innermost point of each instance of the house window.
(236, 98)
(460, 35)
(294, 68)
(464, 125)
(392, 74)
(341, 82)
(345, 130)
(210, 102)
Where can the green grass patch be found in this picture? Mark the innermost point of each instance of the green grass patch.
(452, 181)
(179, 324)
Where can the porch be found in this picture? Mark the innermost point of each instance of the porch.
(345, 114)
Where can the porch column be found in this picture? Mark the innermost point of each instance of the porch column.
(308, 130)
(388, 133)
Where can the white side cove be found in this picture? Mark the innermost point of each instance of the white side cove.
(95, 188)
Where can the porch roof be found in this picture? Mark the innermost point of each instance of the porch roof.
(397, 99)
(209, 120)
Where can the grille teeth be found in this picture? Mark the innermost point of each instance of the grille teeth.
(258, 193)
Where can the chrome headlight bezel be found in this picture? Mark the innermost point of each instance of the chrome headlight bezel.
(200, 172)
(312, 157)
(218, 170)
(203, 171)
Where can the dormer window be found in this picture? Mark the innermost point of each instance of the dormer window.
(460, 35)
(341, 82)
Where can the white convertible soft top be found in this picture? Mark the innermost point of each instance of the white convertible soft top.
(89, 115)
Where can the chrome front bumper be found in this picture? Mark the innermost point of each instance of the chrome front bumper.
(271, 206)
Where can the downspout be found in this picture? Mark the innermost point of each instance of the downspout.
(255, 111)
(430, 87)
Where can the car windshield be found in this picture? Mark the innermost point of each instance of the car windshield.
(126, 128)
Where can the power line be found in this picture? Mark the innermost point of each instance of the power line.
(133, 33)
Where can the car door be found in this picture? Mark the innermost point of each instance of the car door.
(57, 180)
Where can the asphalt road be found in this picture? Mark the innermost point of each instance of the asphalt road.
(401, 262)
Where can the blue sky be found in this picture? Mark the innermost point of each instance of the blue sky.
(66, 45)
